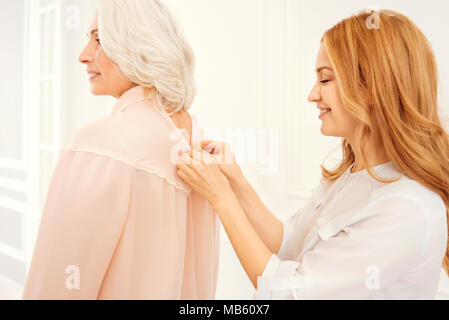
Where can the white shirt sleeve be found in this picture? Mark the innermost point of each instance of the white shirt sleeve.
(290, 227)
(362, 257)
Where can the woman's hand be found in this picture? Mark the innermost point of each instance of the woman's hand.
(201, 172)
(223, 156)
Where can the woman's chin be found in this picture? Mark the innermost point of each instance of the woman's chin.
(326, 132)
(323, 131)
(97, 90)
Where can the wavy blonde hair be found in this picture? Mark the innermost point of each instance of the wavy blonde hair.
(394, 63)
(143, 40)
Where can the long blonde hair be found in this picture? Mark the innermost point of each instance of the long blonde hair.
(394, 63)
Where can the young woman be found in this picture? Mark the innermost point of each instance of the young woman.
(118, 223)
(376, 226)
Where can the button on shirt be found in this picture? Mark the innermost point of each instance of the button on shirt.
(358, 238)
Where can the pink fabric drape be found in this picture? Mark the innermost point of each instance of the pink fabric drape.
(118, 223)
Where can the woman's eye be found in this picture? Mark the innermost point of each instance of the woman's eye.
(98, 41)
(324, 81)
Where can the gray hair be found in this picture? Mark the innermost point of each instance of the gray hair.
(141, 37)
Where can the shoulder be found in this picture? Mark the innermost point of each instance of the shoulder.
(138, 137)
(412, 192)
(409, 208)
(138, 124)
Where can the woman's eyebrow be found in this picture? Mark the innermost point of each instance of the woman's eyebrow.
(322, 68)
(92, 32)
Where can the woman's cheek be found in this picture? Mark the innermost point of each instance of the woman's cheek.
(327, 96)
(331, 97)
(101, 61)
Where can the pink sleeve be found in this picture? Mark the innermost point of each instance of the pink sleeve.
(129, 233)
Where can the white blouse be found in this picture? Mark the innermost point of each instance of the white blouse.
(358, 238)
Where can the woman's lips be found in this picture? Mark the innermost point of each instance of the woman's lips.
(92, 76)
(323, 114)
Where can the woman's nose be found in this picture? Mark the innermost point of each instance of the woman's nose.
(85, 56)
(315, 94)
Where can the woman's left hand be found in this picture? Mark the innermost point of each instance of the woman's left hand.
(201, 172)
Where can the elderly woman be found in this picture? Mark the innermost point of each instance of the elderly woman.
(118, 223)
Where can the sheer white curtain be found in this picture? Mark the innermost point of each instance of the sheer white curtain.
(13, 171)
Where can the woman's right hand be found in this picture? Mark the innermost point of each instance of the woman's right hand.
(222, 153)
(266, 224)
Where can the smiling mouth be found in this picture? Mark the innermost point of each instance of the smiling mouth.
(323, 112)
(93, 76)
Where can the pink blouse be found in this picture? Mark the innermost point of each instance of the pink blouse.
(118, 222)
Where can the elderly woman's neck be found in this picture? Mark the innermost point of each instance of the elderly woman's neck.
(182, 120)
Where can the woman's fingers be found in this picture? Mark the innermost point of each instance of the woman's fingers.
(221, 151)
(188, 171)
(198, 157)
(199, 170)
(212, 147)
(183, 176)
(194, 174)
(206, 143)
(189, 159)
(185, 166)
(194, 155)
(194, 163)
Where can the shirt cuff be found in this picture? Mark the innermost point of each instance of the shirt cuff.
(284, 250)
(269, 272)
(282, 275)
(273, 264)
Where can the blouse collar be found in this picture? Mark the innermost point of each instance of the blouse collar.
(388, 170)
(129, 98)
